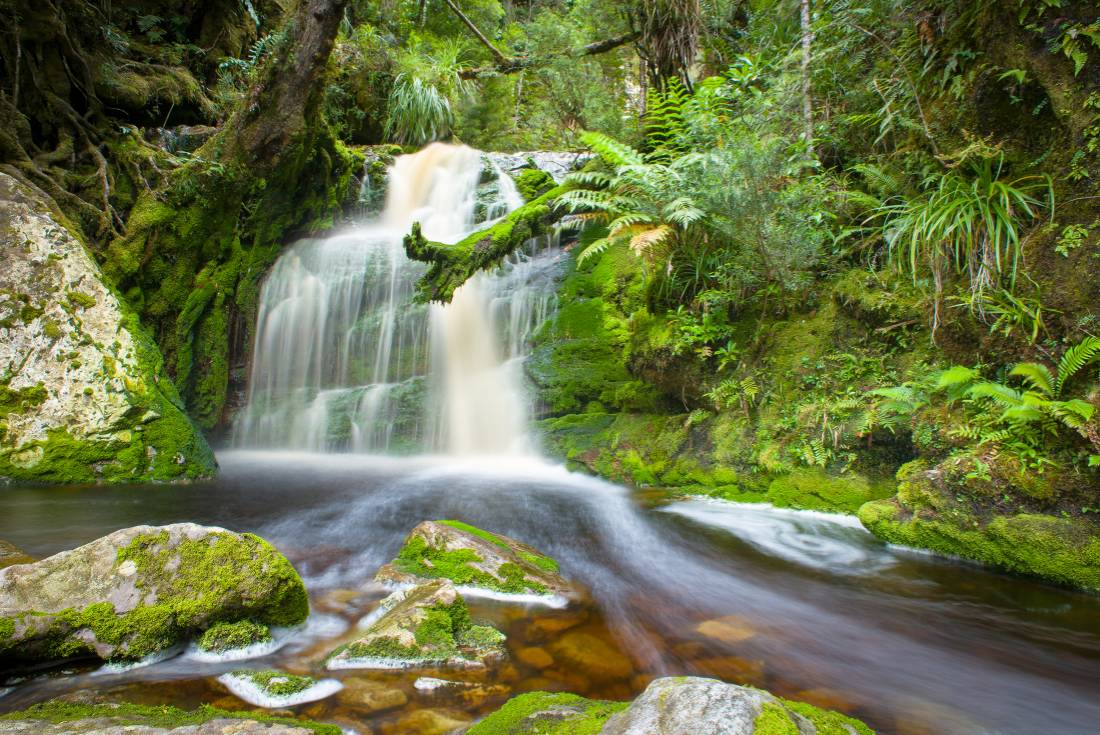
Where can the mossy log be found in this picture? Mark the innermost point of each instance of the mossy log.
(450, 266)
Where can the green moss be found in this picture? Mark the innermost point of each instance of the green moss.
(418, 558)
(1062, 550)
(20, 400)
(276, 683)
(814, 489)
(533, 183)
(545, 713)
(82, 300)
(545, 563)
(774, 720)
(160, 716)
(223, 637)
(829, 722)
(481, 636)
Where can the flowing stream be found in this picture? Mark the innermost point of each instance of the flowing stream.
(349, 374)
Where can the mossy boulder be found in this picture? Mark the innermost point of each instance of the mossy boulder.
(223, 637)
(472, 557)
(59, 717)
(932, 512)
(814, 489)
(141, 590)
(669, 706)
(83, 392)
(426, 625)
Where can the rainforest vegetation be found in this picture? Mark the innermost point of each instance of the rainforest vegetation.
(832, 255)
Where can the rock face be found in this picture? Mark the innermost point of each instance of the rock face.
(83, 397)
(66, 718)
(669, 706)
(141, 590)
(471, 557)
(425, 625)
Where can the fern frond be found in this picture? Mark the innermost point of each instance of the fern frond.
(1076, 358)
(1036, 375)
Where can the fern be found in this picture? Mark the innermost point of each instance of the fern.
(1075, 359)
(1037, 376)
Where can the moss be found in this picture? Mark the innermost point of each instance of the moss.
(814, 489)
(223, 637)
(418, 558)
(828, 722)
(774, 720)
(481, 636)
(276, 683)
(545, 713)
(81, 300)
(545, 563)
(1063, 550)
(20, 400)
(159, 716)
(533, 183)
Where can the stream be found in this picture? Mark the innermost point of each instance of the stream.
(806, 604)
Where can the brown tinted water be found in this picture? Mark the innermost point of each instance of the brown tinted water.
(807, 605)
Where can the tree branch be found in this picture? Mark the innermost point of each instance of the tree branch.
(519, 63)
(497, 53)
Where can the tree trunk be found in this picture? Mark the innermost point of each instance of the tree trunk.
(807, 98)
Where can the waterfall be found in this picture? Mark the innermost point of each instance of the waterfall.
(343, 360)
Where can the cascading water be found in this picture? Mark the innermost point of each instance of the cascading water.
(345, 361)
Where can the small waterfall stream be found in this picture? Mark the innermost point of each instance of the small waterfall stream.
(344, 360)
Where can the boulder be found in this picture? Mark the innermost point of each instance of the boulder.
(475, 559)
(11, 554)
(689, 705)
(83, 394)
(141, 590)
(59, 717)
(421, 626)
(669, 706)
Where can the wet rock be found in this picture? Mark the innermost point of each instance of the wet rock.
(66, 718)
(547, 627)
(690, 705)
(595, 658)
(732, 668)
(83, 393)
(424, 625)
(471, 557)
(10, 554)
(427, 722)
(271, 688)
(365, 695)
(729, 629)
(536, 658)
(139, 591)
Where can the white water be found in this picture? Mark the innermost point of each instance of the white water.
(344, 360)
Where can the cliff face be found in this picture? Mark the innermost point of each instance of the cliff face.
(82, 394)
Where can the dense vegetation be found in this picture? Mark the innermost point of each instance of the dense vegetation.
(818, 242)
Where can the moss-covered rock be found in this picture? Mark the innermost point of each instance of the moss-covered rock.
(58, 717)
(141, 590)
(421, 626)
(275, 689)
(472, 557)
(814, 489)
(669, 706)
(933, 511)
(83, 392)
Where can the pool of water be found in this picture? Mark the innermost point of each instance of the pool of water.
(806, 604)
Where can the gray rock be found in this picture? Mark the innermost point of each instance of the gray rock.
(83, 397)
(109, 726)
(141, 590)
(556, 163)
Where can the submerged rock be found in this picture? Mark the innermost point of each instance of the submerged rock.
(141, 590)
(274, 689)
(424, 625)
(10, 554)
(83, 394)
(471, 557)
(668, 706)
(59, 717)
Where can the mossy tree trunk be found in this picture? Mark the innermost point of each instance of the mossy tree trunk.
(195, 248)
